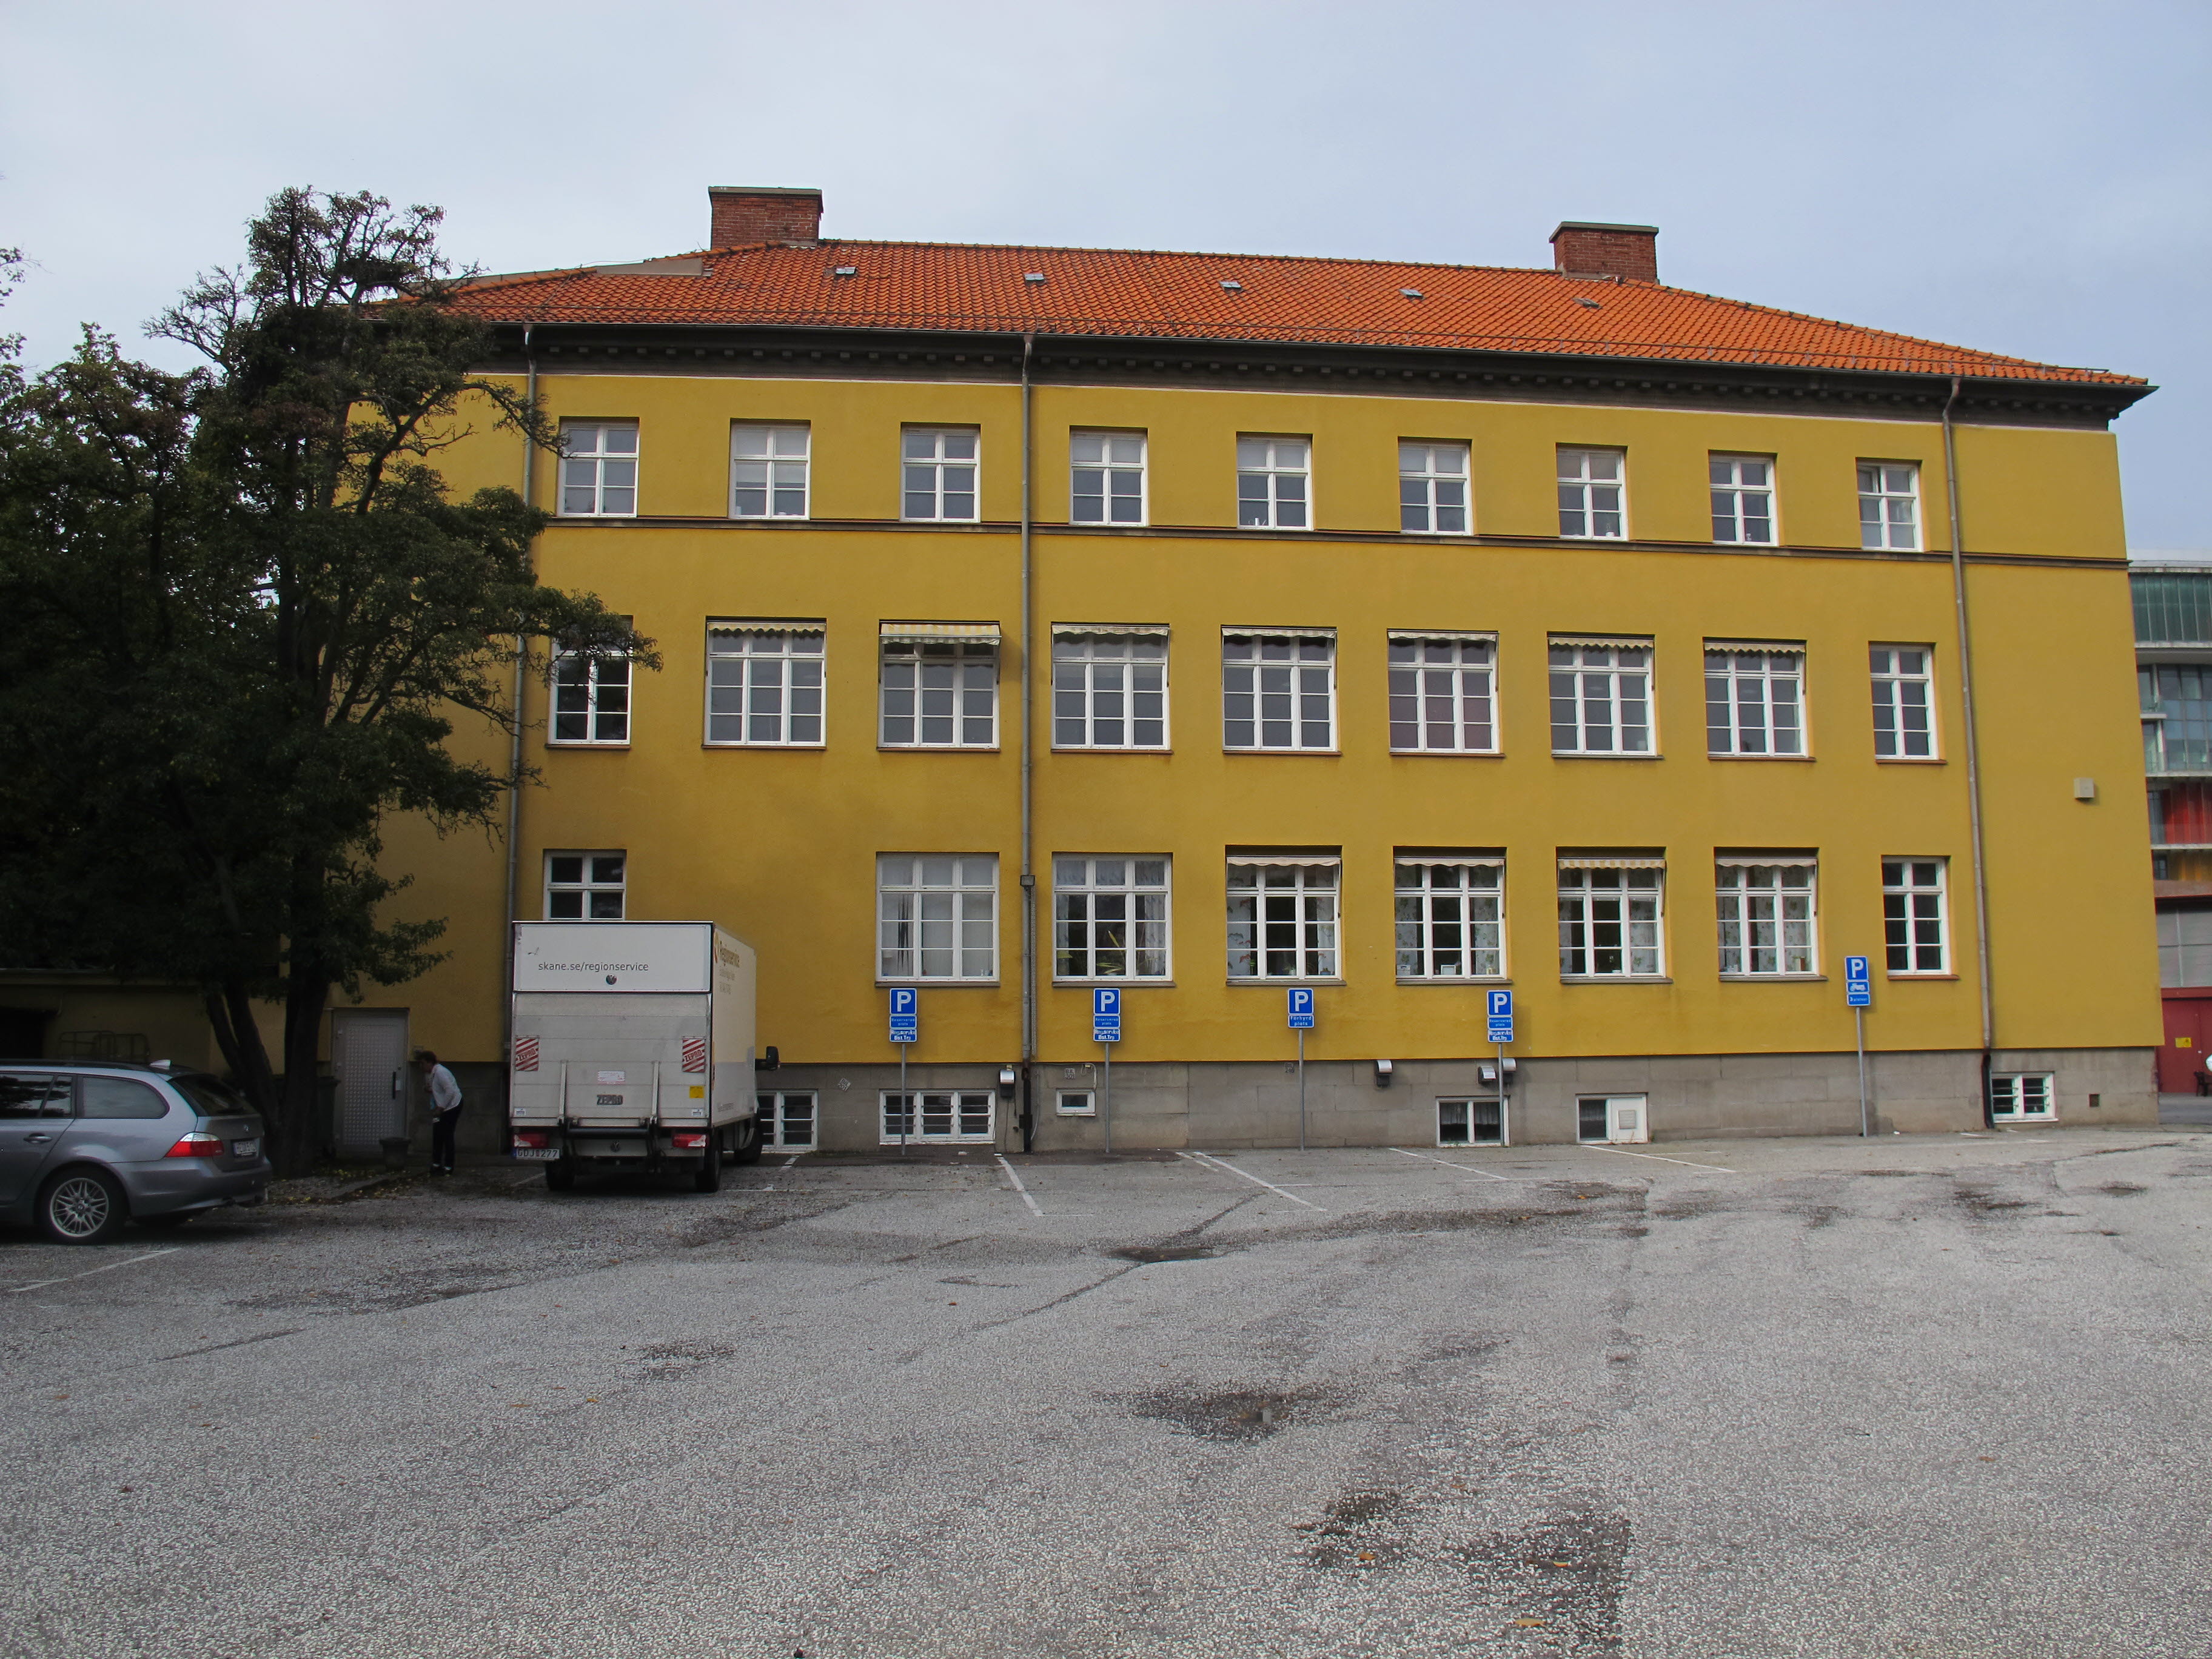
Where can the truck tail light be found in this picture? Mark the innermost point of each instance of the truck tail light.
(197, 1144)
(534, 1139)
(691, 1143)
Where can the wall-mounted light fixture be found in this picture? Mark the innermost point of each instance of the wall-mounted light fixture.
(1382, 1069)
(1007, 1079)
(1487, 1069)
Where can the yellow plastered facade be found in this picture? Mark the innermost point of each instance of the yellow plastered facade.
(780, 845)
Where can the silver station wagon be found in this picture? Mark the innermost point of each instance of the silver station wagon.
(87, 1147)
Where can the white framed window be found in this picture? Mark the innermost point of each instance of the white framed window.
(1468, 1121)
(1743, 498)
(591, 700)
(1611, 912)
(1766, 916)
(1274, 483)
(1109, 918)
(788, 1119)
(1601, 696)
(598, 469)
(2021, 1097)
(1109, 688)
(1889, 504)
(937, 916)
(938, 471)
(1593, 494)
(938, 1114)
(1914, 916)
(585, 886)
(1283, 917)
(1106, 478)
(1433, 489)
(1754, 698)
(939, 690)
(1075, 1103)
(768, 470)
(1450, 917)
(1442, 696)
(764, 684)
(1904, 677)
(1278, 689)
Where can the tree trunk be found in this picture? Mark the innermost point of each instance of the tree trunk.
(300, 1126)
(230, 1011)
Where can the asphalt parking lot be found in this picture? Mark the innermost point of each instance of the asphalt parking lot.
(1932, 1396)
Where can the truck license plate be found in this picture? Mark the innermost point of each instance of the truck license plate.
(536, 1154)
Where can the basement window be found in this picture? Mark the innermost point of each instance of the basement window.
(2021, 1097)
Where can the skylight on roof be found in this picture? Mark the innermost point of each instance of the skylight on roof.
(1233, 286)
(845, 270)
(1592, 304)
(1411, 293)
(1033, 275)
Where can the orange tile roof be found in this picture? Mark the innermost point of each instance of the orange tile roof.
(1126, 294)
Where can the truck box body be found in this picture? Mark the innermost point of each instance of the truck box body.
(633, 1041)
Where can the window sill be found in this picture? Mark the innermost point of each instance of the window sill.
(1908, 760)
(1616, 979)
(941, 984)
(1774, 979)
(1784, 758)
(1448, 754)
(1602, 755)
(1324, 754)
(710, 743)
(940, 521)
(583, 742)
(1462, 980)
(1566, 537)
(1278, 984)
(1145, 984)
(770, 518)
(1887, 975)
(1110, 749)
(927, 748)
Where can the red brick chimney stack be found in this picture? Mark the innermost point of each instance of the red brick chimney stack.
(1588, 250)
(764, 213)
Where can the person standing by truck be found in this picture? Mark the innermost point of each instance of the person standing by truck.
(445, 1109)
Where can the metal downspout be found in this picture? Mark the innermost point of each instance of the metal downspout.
(1028, 768)
(1973, 747)
(514, 749)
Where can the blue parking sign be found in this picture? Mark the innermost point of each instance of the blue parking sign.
(1858, 987)
(1499, 1005)
(1106, 1014)
(1302, 1008)
(906, 1015)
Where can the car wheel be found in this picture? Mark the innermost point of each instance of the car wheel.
(709, 1178)
(169, 1223)
(747, 1149)
(81, 1206)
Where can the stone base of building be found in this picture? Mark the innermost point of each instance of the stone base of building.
(1157, 1106)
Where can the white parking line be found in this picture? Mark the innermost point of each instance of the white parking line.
(1019, 1187)
(1599, 1146)
(1448, 1164)
(105, 1267)
(1202, 1157)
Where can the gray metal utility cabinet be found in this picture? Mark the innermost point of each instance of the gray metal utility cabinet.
(633, 1048)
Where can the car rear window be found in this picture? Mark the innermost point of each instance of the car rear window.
(210, 1096)
(118, 1097)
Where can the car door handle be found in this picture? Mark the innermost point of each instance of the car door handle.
(35, 1139)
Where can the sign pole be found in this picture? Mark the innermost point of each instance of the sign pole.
(1504, 1129)
(906, 1103)
(1301, 1088)
(1106, 1098)
(1858, 1019)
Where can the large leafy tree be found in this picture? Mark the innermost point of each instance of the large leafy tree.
(249, 611)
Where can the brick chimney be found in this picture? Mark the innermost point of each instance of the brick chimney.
(1587, 250)
(764, 213)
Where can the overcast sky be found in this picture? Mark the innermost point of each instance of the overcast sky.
(2025, 177)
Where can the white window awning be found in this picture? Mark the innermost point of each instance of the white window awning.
(1784, 860)
(1475, 860)
(1278, 634)
(1091, 630)
(1487, 636)
(1772, 648)
(1606, 641)
(985, 633)
(768, 625)
(1603, 863)
(1281, 861)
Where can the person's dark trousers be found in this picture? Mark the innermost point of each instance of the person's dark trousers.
(442, 1139)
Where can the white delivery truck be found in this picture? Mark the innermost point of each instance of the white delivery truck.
(633, 1049)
